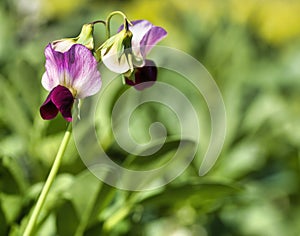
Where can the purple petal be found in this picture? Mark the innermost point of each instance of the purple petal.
(54, 74)
(60, 99)
(63, 99)
(136, 22)
(151, 38)
(75, 69)
(139, 29)
(145, 36)
(81, 71)
(144, 76)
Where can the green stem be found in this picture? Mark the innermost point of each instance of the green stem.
(116, 218)
(108, 21)
(98, 21)
(41, 200)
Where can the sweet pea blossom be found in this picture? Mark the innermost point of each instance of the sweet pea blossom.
(69, 75)
(122, 58)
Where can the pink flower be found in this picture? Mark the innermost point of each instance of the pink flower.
(130, 60)
(69, 75)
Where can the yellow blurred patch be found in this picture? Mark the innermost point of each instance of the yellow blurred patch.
(278, 21)
(59, 8)
(275, 21)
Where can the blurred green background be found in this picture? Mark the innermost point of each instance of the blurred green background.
(252, 50)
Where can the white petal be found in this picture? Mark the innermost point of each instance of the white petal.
(62, 45)
(113, 62)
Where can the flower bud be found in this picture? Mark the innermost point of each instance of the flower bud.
(116, 52)
(85, 38)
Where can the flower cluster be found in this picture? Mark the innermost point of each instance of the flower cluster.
(71, 63)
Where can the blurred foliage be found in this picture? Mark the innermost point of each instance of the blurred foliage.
(251, 48)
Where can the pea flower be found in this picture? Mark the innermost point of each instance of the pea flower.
(125, 53)
(69, 75)
(115, 52)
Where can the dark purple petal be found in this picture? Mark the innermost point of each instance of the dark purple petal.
(147, 73)
(48, 110)
(63, 99)
(60, 99)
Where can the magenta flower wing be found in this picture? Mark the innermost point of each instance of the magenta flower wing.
(151, 38)
(54, 74)
(145, 36)
(81, 73)
(139, 28)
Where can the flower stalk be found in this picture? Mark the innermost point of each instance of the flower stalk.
(126, 22)
(50, 179)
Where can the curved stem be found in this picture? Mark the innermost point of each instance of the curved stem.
(98, 21)
(41, 200)
(108, 21)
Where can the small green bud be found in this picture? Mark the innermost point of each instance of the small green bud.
(85, 38)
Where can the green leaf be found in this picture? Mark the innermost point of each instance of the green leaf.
(11, 206)
(56, 197)
(48, 146)
(12, 178)
(203, 196)
(67, 219)
(87, 186)
(29, 89)
(95, 230)
(104, 198)
(162, 156)
(172, 159)
(48, 227)
(12, 145)
(3, 223)
(16, 116)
